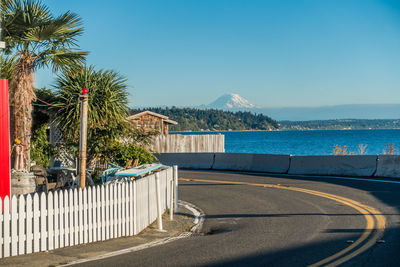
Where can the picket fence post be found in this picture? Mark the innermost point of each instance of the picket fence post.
(62, 218)
(115, 207)
(50, 230)
(6, 233)
(21, 225)
(83, 214)
(89, 210)
(119, 210)
(158, 202)
(56, 220)
(123, 206)
(43, 224)
(175, 178)
(103, 213)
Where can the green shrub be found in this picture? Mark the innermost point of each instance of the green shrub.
(120, 154)
(41, 149)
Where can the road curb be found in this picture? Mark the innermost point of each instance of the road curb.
(198, 223)
(197, 212)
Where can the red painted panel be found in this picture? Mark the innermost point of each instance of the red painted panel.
(5, 175)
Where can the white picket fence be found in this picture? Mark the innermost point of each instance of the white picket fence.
(33, 223)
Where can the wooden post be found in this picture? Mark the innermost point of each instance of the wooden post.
(175, 178)
(158, 202)
(83, 98)
(171, 199)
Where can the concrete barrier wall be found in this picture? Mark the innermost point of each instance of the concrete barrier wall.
(200, 161)
(178, 143)
(359, 166)
(388, 166)
(271, 163)
(364, 165)
(232, 161)
(251, 162)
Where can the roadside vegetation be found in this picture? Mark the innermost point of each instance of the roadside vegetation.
(362, 149)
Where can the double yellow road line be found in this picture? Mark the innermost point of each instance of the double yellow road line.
(375, 221)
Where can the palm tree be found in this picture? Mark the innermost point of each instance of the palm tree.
(37, 39)
(107, 108)
(7, 65)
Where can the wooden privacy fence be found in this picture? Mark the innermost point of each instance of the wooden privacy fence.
(182, 143)
(32, 223)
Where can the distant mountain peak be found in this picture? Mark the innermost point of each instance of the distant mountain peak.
(231, 101)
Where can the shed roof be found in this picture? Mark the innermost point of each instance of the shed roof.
(147, 112)
(170, 121)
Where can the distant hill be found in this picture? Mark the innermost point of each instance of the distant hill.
(340, 124)
(190, 119)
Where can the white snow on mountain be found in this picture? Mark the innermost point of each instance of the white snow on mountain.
(231, 101)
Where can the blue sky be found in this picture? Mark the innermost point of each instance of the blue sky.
(281, 53)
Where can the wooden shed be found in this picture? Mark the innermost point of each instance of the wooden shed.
(149, 121)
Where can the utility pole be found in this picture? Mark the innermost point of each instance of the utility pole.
(83, 98)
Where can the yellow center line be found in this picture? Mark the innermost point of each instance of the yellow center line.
(370, 214)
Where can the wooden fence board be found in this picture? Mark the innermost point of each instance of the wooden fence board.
(14, 226)
(50, 221)
(21, 225)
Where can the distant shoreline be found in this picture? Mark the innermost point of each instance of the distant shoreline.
(282, 130)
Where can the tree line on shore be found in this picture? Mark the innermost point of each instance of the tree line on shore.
(342, 124)
(192, 119)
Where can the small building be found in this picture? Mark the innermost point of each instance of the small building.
(150, 121)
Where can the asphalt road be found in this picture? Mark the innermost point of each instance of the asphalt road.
(249, 225)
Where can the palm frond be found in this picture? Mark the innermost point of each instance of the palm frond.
(61, 59)
(7, 65)
(60, 32)
(30, 29)
(108, 101)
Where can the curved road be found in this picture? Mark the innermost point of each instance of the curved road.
(259, 220)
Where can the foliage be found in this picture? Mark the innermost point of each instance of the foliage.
(107, 112)
(33, 34)
(36, 39)
(41, 148)
(120, 154)
(107, 106)
(362, 149)
(42, 111)
(342, 150)
(190, 119)
(390, 149)
(7, 65)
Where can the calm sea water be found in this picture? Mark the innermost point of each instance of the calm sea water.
(308, 142)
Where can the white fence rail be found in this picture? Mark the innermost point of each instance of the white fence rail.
(33, 223)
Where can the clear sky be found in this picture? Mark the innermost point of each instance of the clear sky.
(278, 53)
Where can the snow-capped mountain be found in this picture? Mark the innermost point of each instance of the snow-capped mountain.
(229, 101)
